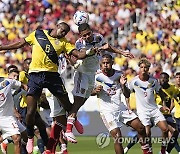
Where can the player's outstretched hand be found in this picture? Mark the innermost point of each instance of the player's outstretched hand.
(127, 54)
(104, 47)
(165, 109)
(98, 89)
(123, 80)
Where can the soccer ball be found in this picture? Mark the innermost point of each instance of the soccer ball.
(80, 17)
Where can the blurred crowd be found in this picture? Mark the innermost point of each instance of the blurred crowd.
(148, 28)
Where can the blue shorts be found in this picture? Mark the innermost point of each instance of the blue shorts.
(23, 112)
(178, 123)
(51, 80)
(170, 120)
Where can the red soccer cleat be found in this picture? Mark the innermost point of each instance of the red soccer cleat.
(79, 126)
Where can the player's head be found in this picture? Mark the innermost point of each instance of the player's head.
(177, 78)
(106, 63)
(62, 29)
(144, 66)
(13, 73)
(164, 78)
(85, 32)
(26, 64)
(11, 67)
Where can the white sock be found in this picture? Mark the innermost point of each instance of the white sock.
(63, 147)
(126, 149)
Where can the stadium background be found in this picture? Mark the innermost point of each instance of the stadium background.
(146, 28)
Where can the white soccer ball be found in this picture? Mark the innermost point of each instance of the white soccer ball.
(80, 17)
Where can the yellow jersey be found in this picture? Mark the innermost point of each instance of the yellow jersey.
(23, 77)
(171, 94)
(40, 60)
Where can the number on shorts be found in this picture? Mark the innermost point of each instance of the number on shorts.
(15, 125)
(47, 50)
(145, 94)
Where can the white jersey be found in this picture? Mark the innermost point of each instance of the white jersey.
(91, 63)
(62, 64)
(110, 96)
(144, 92)
(6, 98)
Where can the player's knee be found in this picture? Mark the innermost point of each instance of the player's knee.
(115, 133)
(141, 129)
(165, 130)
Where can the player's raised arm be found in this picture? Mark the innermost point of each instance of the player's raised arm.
(125, 89)
(119, 51)
(83, 53)
(15, 45)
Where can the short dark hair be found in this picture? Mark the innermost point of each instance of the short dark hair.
(13, 70)
(164, 73)
(65, 25)
(83, 27)
(27, 59)
(12, 67)
(144, 61)
(177, 73)
(107, 56)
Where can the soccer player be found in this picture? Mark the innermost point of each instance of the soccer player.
(10, 128)
(58, 114)
(110, 86)
(85, 74)
(59, 117)
(22, 109)
(144, 86)
(46, 47)
(171, 94)
(177, 105)
(170, 97)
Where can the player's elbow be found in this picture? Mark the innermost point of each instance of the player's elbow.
(126, 94)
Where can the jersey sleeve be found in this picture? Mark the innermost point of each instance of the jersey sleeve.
(79, 45)
(100, 39)
(68, 46)
(157, 86)
(30, 38)
(16, 84)
(21, 77)
(131, 85)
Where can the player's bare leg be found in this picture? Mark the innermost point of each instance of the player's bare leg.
(139, 127)
(17, 143)
(164, 129)
(116, 134)
(30, 120)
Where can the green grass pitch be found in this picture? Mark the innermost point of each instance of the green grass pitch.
(87, 145)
